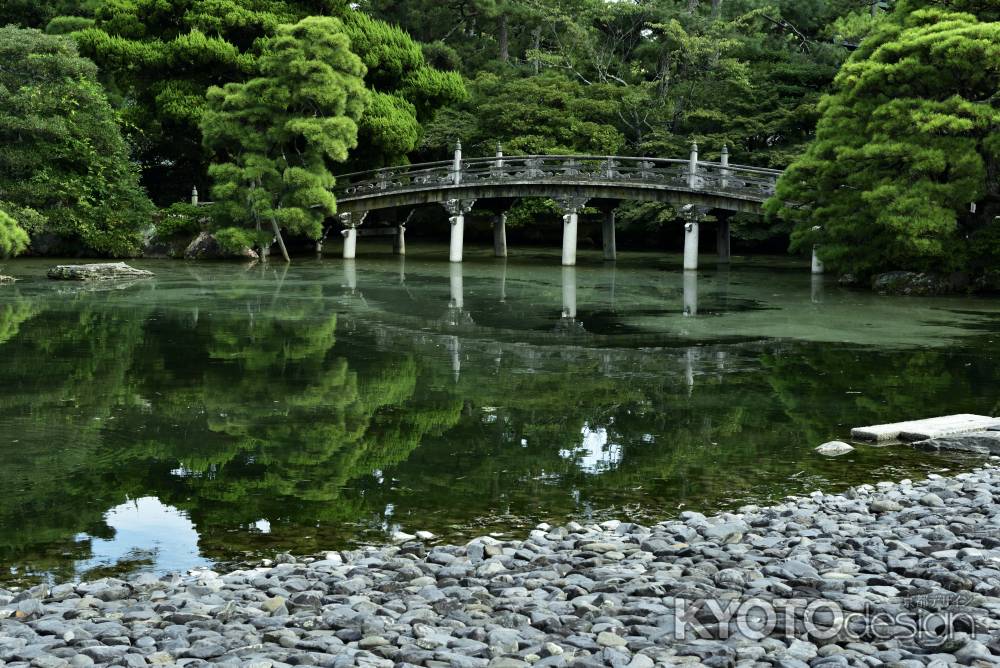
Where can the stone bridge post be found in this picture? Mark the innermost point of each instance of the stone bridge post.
(457, 208)
(571, 207)
(351, 220)
(817, 264)
(456, 167)
(569, 293)
(608, 231)
(693, 167)
(693, 215)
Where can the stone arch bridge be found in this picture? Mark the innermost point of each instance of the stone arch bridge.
(573, 181)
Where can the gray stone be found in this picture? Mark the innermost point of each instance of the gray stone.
(97, 272)
(834, 448)
(206, 247)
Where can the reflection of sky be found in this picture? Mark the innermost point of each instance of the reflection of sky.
(147, 529)
(594, 454)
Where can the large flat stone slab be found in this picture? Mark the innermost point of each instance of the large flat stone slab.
(920, 430)
(980, 442)
(96, 272)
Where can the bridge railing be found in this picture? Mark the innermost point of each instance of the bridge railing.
(679, 174)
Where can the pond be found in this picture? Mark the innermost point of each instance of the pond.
(221, 413)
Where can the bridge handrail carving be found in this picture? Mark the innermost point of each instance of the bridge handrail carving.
(752, 182)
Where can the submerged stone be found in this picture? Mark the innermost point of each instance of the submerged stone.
(96, 272)
(834, 448)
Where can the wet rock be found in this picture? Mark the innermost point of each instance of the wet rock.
(913, 283)
(97, 272)
(981, 442)
(834, 448)
(206, 247)
(7, 280)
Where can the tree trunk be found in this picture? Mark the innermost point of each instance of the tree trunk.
(537, 34)
(716, 8)
(692, 6)
(874, 7)
(504, 39)
(281, 242)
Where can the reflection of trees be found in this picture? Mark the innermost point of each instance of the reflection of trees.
(241, 404)
(284, 424)
(839, 386)
(65, 373)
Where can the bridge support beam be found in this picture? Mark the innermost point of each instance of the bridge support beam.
(351, 221)
(455, 283)
(569, 293)
(500, 235)
(722, 239)
(457, 208)
(690, 245)
(399, 241)
(690, 293)
(608, 234)
(571, 207)
(817, 264)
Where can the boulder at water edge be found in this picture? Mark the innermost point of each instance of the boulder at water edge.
(7, 280)
(96, 272)
(207, 247)
(834, 448)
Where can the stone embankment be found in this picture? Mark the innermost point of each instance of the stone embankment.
(903, 574)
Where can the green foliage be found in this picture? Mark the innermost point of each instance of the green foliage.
(64, 25)
(64, 155)
(37, 13)
(13, 239)
(236, 239)
(160, 58)
(906, 143)
(183, 219)
(278, 134)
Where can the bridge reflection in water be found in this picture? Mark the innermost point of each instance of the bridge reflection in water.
(574, 182)
(456, 327)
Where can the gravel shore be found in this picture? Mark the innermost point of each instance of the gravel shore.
(904, 574)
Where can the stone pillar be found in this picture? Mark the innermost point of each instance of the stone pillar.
(457, 208)
(722, 239)
(817, 264)
(350, 243)
(351, 221)
(399, 241)
(690, 246)
(724, 172)
(500, 235)
(693, 167)
(455, 282)
(571, 207)
(690, 293)
(608, 234)
(569, 292)
(194, 196)
(456, 167)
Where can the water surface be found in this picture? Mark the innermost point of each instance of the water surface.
(220, 413)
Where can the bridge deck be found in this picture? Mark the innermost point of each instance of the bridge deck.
(709, 184)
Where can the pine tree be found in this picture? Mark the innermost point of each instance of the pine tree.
(278, 133)
(904, 170)
(13, 239)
